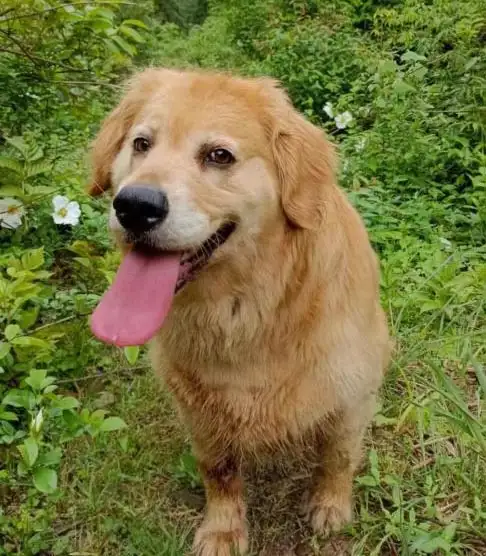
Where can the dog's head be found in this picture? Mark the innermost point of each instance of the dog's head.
(193, 158)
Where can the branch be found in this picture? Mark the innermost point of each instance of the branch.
(44, 60)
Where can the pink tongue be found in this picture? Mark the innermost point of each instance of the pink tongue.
(135, 306)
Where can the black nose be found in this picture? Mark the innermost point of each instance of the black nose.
(140, 208)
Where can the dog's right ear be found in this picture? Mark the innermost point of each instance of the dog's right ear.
(115, 127)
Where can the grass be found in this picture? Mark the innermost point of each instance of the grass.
(424, 472)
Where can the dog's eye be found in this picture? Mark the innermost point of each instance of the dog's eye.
(141, 144)
(222, 157)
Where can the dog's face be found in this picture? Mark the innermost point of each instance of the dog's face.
(196, 159)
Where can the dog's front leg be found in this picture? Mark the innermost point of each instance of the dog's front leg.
(224, 530)
(329, 506)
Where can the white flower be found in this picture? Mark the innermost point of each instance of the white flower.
(65, 211)
(37, 422)
(343, 120)
(360, 144)
(328, 109)
(11, 212)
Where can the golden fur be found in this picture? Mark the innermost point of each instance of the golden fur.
(281, 335)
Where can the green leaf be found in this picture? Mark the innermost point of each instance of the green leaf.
(135, 23)
(66, 402)
(401, 87)
(112, 424)
(10, 163)
(131, 354)
(19, 398)
(367, 480)
(18, 143)
(33, 259)
(123, 46)
(45, 480)
(131, 33)
(29, 451)
(36, 378)
(8, 416)
(50, 458)
(411, 56)
(430, 545)
(4, 349)
(28, 317)
(11, 191)
(480, 375)
(30, 341)
(12, 330)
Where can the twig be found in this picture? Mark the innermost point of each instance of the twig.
(26, 53)
(103, 375)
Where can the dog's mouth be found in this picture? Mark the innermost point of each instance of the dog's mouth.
(137, 303)
(194, 261)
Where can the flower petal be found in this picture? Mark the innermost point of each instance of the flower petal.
(11, 221)
(328, 109)
(58, 219)
(74, 209)
(59, 202)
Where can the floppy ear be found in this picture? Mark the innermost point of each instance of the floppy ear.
(116, 126)
(305, 162)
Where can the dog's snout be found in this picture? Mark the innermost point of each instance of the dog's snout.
(140, 208)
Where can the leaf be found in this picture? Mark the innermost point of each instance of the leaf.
(480, 375)
(10, 163)
(135, 23)
(30, 341)
(18, 143)
(12, 330)
(28, 317)
(36, 378)
(45, 480)
(131, 354)
(122, 45)
(430, 545)
(411, 56)
(367, 480)
(11, 191)
(112, 424)
(33, 259)
(50, 458)
(38, 168)
(472, 62)
(4, 349)
(19, 398)
(401, 87)
(66, 402)
(29, 451)
(8, 416)
(131, 33)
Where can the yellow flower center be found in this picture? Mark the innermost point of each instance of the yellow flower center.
(62, 212)
(13, 209)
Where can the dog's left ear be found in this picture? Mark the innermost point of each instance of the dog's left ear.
(305, 161)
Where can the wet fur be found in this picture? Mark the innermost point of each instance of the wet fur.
(281, 338)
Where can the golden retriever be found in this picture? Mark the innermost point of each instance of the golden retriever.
(254, 277)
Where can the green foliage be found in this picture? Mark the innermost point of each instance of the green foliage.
(54, 53)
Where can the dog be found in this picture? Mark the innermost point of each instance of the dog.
(252, 276)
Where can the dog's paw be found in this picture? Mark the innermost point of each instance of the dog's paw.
(328, 513)
(209, 542)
